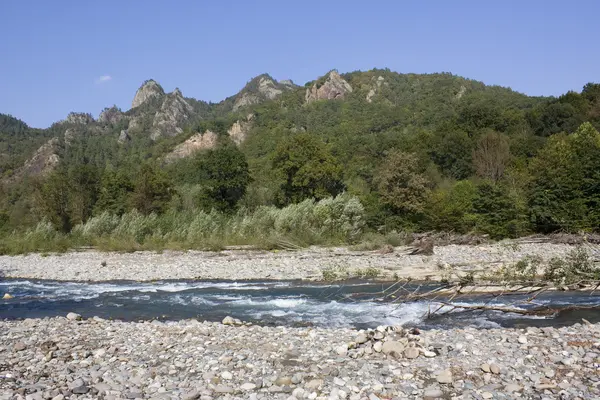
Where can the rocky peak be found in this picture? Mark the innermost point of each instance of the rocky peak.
(260, 89)
(197, 142)
(150, 89)
(173, 113)
(79, 118)
(333, 86)
(110, 115)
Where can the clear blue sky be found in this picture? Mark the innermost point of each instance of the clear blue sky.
(55, 53)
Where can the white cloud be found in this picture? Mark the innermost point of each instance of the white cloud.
(103, 79)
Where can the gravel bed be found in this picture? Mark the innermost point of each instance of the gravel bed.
(63, 358)
(243, 265)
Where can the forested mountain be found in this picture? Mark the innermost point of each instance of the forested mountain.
(420, 152)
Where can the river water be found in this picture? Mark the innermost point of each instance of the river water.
(357, 304)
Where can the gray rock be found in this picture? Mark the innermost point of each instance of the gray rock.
(83, 389)
(433, 393)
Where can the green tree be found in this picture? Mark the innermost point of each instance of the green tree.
(565, 188)
(500, 213)
(67, 196)
(308, 168)
(401, 183)
(491, 156)
(224, 176)
(450, 209)
(151, 190)
(116, 188)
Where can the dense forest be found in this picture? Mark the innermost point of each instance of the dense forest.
(386, 153)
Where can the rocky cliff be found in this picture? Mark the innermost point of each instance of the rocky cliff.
(174, 112)
(259, 89)
(112, 115)
(149, 90)
(330, 87)
(239, 130)
(197, 142)
(43, 161)
(79, 118)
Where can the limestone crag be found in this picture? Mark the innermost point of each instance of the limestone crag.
(239, 130)
(174, 111)
(112, 115)
(197, 142)
(43, 161)
(261, 88)
(124, 137)
(149, 90)
(376, 87)
(79, 118)
(334, 87)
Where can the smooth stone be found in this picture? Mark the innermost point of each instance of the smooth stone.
(522, 339)
(444, 376)
(314, 384)
(411, 352)
(248, 386)
(485, 368)
(228, 321)
(224, 389)
(19, 346)
(73, 316)
(7, 296)
(361, 338)
(494, 369)
(283, 381)
(227, 375)
(378, 346)
(393, 348)
(433, 393)
(512, 387)
(80, 389)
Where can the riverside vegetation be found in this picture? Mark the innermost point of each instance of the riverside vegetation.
(345, 159)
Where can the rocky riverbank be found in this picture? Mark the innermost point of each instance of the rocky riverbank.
(313, 263)
(62, 358)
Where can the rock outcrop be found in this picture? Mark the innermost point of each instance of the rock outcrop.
(259, 89)
(43, 161)
(124, 137)
(239, 130)
(79, 118)
(174, 111)
(333, 87)
(197, 142)
(376, 87)
(112, 115)
(149, 90)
